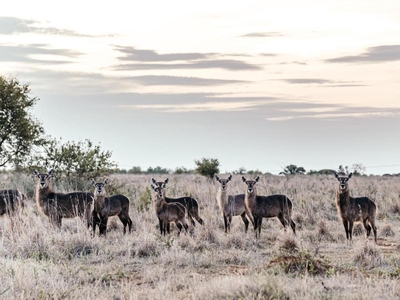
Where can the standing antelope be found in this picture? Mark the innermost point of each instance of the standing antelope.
(59, 205)
(260, 207)
(190, 203)
(351, 210)
(11, 201)
(230, 205)
(168, 212)
(104, 207)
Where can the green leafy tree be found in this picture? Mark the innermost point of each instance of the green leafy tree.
(19, 130)
(293, 170)
(78, 161)
(135, 170)
(207, 167)
(182, 170)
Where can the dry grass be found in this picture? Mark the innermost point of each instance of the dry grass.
(39, 261)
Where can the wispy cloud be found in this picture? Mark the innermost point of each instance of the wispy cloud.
(331, 116)
(133, 54)
(372, 55)
(197, 107)
(150, 60)
(160, 80)
(321, 82)
(262, 34)
(11, 25)
(31, 54)
(232, 65)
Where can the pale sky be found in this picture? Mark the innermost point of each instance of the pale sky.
(255, 84)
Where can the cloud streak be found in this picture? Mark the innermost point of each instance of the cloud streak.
(11, 25)
(262, 34)
(377, 54)
(163, 80)
(25, 53)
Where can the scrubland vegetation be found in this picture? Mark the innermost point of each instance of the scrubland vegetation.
(39, 261)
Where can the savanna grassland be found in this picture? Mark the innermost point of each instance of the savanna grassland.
(39, 261)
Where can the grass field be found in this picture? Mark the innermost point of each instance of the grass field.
(38, 261)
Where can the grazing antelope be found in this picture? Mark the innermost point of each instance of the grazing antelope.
(192, 207)
(272, 206)
(168, 212)
(104, 207)
(59, 205)
(357, 209)
(11, 201)
(230, 205)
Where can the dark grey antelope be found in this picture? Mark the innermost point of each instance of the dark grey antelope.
(168, 212)
(11, 202)
(230, 205)
(105, 207)
(273, 206)
(190, 203)
(354, 210)
(59, 205)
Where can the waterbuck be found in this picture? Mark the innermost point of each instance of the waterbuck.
(104, 207)
(11, 201)
(168, 212)
(272, 206)
(190, 203)
(60, 205)
(230, 205)
(351, 210)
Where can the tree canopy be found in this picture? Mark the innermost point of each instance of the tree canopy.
(207, 167)
(19, 130)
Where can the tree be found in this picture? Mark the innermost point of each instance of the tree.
(207, 167)
(79, 161)
(293, 170)
(19, 130)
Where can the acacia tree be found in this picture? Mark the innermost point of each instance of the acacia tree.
(77, 161)
(207, 167)
(19, 130)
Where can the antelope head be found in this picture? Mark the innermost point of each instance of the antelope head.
(159, 190)
(343, 179)
(44, 177)
(250, 183)
(223, 182)
(99, 187)
(159, 183)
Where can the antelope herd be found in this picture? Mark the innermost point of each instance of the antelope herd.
(95, 208)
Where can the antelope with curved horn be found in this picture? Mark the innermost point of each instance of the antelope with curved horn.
(230, 205)
(354, 209)
(273, 206)
(59, 205)
(168, 212)
(191, 204)
(105, 207)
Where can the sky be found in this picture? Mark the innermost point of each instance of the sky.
(256, 84)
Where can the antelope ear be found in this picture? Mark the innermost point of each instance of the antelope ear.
(51, 173)
(163, 185)
(35, 172)
(216, 177)
(230, 177)
(153, 181)
(257, 179)
(337, 175)
(93, 181)
(243, 179)
(351, 174)
(105, 181)
(166, 181)
(152, 187)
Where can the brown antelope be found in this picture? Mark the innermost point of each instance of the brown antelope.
(230, 205)
(357, 209)
(11, 201)
(272, 206)
(104, 207)
(59, 205)
(192, 207)
(168, 212)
